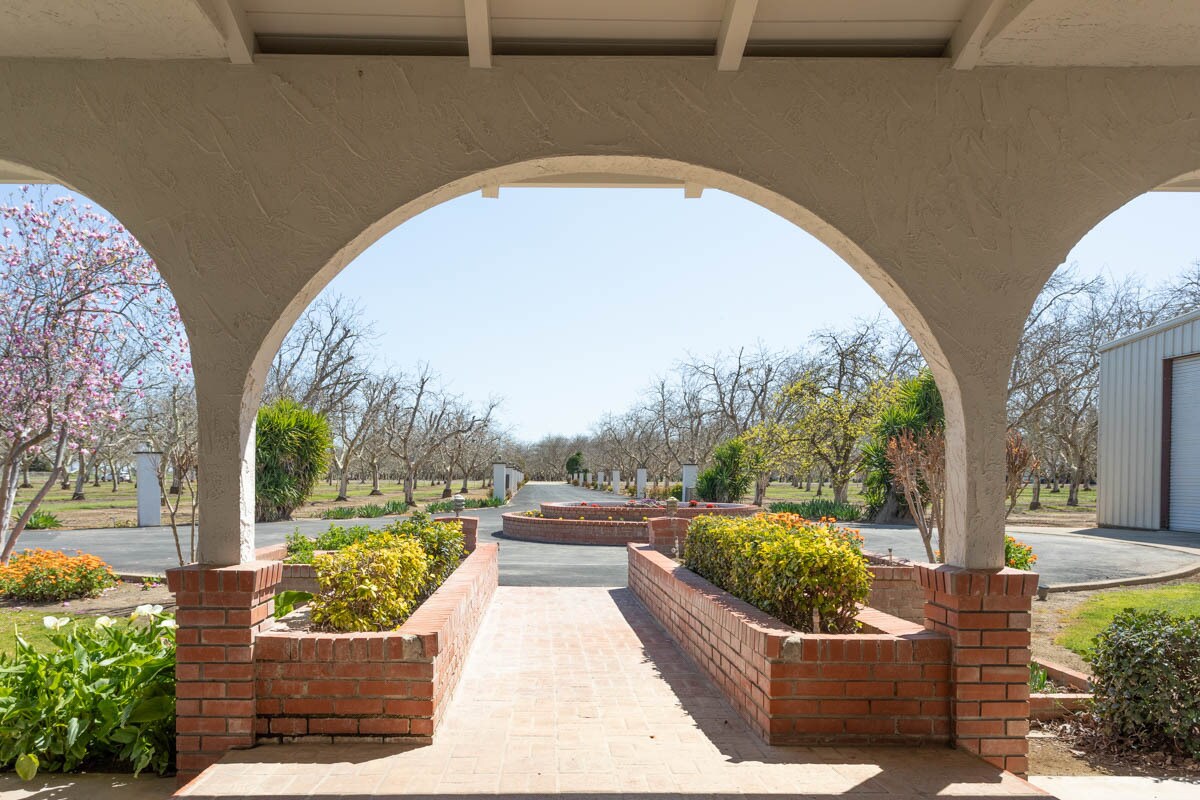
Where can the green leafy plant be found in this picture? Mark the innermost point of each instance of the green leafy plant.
(369, 511)
(819, 508)
(729, 477)
(103, 693)
(287, 601)
(807, 574)
(665, 492)
(915, 406)
(1018, 555)
(446, 506)
(40, 575)
(41, 520)
(1038, 679)
(372, 585)
(291, 453)
(301, 548)
(1146, 668)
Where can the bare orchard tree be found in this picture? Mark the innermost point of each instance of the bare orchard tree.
(420, 419)
(354, 420)
(324, 359)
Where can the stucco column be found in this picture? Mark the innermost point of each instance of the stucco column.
(226, 467)
(975, 399)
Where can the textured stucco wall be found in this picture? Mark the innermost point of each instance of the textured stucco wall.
(954, 194)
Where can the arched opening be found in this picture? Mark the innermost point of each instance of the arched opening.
(99, 413)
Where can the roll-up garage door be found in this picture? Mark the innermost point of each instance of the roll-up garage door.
(1185, 445)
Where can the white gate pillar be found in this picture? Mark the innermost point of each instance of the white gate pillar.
(690, 471)
(616, 481)
(499, 471)
(149, 493)
(641, 483)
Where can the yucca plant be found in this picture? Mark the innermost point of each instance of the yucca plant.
(292, 452)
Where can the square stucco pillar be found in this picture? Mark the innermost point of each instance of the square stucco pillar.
(641, 483)
(616, 481)
(220, 610)
(986, 615)
(499, 473)
(689, 474)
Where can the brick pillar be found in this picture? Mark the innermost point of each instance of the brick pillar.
(220, 611)
(986, 615)
(663, 532)
(470, 529)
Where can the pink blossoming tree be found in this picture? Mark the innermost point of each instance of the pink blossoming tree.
(84, 318)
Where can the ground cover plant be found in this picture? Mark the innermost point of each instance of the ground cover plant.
(100, 692)
(819, 508)
(446, 506)
(1146, 678)
(367, 511)
(1098, 612)
(811, 575)
(40, 575)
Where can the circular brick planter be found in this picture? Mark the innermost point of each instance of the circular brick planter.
(574, 531)
(618, 511)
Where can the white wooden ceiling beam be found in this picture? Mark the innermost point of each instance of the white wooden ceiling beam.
(982, 22)
(229, 18)
(479, 33)
(735, 32)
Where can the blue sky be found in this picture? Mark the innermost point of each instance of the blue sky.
(567, 303)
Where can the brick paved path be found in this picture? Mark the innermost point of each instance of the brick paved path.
(578, 690)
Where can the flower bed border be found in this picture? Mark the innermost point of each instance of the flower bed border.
(1049, 706)
(890, 685)
(618, 511)
(393, 685)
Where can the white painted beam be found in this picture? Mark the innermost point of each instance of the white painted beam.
(735, 31)
(479, 33)
(966, 43)
(229, 18)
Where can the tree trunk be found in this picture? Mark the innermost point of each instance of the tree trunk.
(447, 489)
(375, 490)
(96, 472)
(410, 484)
(176, 486)
(841, 490)
(116, 479)
(465, 485)
(25, 484)
(343, 487)
(81, 478)
(1035, 501)
(892, 510)
(760, 489)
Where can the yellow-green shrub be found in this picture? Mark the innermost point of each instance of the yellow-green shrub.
(786, 567)
(369, 586)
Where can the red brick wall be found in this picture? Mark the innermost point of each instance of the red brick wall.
(890, 684)
(896, 590)
(620, 511)
(393, 684)
(568, 531)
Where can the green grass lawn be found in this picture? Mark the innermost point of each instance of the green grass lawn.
(1094, 615)
(29, 624)
(1051, 503)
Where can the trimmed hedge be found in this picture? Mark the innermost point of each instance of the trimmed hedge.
(811, 576)
(1146, 668)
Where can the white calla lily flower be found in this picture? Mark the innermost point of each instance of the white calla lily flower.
(104, 622)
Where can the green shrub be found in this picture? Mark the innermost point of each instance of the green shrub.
(104, 693)
(663, 492)
(42, 520)
(372, 585)
(819, 508)
(788, 567)
(1146, 668)
(41, 575)
(729, 477)
(1018, 555)
(291, 452)
(447, 506)
(301, 548)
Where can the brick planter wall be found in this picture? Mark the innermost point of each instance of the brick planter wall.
(986, 615)
(890, 684)
(393, 684)
(573, 531)
(620, 511)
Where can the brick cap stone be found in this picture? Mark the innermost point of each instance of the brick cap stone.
(251, 576)
(959, 581)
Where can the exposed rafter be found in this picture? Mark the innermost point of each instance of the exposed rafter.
(479, 33)
(735, 31)
(983, 21)
(229, 18)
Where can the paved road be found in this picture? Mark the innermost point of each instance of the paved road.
(1089, 555)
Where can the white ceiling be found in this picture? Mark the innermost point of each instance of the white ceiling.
(983, 32)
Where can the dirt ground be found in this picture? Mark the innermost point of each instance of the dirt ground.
(118, 601)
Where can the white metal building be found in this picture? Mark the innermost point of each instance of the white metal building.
(1149, 448)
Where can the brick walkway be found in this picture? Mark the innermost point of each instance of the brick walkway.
(578, 690)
